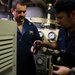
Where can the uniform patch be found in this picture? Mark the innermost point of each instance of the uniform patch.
(31, 32)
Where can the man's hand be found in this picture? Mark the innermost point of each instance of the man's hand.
(36, 45)
(62, 70)
(33, 50)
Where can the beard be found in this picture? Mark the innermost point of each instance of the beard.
(20, 20)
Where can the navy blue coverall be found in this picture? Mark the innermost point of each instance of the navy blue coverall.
(66, 42)
(25, 60)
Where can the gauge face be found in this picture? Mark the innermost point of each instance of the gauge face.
(39, 61)
(51, 35)
(41, 34)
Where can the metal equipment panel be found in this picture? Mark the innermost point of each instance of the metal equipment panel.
(8, 34)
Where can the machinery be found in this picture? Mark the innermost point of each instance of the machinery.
(48, 31)
(43, 57)
(8, 44)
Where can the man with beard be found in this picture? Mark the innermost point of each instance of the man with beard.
(64, 11)
(27, 33)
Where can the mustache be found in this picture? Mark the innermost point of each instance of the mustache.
(21, 17)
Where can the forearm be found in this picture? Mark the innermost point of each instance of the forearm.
(52, 45)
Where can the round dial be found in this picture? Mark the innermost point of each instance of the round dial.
(39, 61)
(51, 35)
(41, 34)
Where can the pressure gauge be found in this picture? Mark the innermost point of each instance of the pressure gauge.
(51, 35)
(41, 34)
(39, 61)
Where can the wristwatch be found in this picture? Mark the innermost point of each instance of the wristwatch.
(71, 72)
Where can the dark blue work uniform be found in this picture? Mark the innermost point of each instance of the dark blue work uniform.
(66, 42)
(25, 60)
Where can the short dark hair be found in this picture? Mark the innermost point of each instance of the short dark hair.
(15, 2)
(63, 5)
